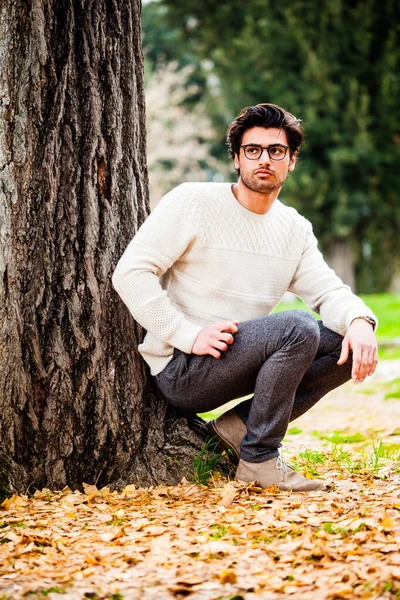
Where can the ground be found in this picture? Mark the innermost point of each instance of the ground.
(225, 540)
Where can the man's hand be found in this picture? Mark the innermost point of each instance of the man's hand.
(215, 338)
(361, 339)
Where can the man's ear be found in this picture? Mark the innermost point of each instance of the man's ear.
(236, 161)
(292, 162)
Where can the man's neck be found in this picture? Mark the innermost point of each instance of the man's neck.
(256, 202)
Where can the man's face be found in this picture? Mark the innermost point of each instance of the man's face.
(264, 175)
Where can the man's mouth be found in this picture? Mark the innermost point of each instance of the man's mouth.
(263, 172)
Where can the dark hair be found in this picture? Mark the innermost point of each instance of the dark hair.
(264, 115)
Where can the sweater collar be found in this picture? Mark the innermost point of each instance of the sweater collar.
(248, 214)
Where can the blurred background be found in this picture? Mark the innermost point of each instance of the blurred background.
(336, 65)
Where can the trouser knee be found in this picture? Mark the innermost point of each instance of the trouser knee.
(305, 327)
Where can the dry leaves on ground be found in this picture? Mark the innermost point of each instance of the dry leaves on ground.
(228, 541)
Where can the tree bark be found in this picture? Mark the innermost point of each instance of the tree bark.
(75, 399)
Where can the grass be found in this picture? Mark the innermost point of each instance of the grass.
(367, 460)
(340, 437)
(394, 391)
(204, 464)
(390, 390)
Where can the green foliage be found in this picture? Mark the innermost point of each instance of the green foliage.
(294, 431)
(341, 437)
(334, 64)
(387, 309)
(394, 392)
(204, 463)
(219, 531)
(52, 590)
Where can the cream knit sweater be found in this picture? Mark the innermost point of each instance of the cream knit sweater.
(201, 257)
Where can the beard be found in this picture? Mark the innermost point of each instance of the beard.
(261, 186)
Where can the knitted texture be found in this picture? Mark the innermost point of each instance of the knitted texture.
(201, 257)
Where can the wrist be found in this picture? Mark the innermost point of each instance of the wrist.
(366, 319)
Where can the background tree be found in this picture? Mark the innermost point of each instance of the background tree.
(75, 402)
(337, 65)
(180, 136)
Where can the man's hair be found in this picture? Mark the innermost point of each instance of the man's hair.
(264, 115)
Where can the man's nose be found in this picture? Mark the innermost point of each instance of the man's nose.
(264, 157)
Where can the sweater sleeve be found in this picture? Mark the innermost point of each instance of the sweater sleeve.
(323, 291)
(162, 239)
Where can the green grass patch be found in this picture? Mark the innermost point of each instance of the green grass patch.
(294, 431)
(389, 353)
(51, 590)
(394, 391)
(204, 464)
(308, 461)
(219, 531)
(365, 460)
(340, 437)
(342, 531)
(389, 389)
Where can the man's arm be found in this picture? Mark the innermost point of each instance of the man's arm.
(325, 293)
(160, 242)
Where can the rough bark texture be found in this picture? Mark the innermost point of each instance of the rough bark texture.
(75, 403)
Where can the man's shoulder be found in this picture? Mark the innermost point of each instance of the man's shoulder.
(293, 216)
(195, 189)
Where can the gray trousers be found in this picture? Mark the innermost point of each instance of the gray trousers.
(286, 360)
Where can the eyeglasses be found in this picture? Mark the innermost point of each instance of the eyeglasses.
(275, 151)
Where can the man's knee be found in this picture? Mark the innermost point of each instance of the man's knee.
(304, 324)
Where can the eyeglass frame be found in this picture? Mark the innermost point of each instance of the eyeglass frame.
(244, 146)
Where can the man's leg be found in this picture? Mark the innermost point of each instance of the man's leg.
(269, 357)
(322, 376)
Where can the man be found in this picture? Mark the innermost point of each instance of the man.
(202, 276)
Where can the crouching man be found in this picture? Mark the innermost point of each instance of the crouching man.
(202, 276)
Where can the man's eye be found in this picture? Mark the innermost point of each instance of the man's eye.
(276, 150)
(252, 149)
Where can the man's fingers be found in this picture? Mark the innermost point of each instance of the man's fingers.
(213, 352)
(367, 363)
(374, 362)
(356, 364)
(344, 355)
(228, 326)
(364, 367)
(220, 345)
(226, 337)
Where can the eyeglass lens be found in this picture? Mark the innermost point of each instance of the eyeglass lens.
(276, 152)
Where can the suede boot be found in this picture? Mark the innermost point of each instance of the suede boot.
(228, 430)
(276, 472)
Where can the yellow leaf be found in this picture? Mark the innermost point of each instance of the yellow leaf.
(91, 560)
(14, 502)
(111, 534)
(387, 523)
(228, 576)
(228, 494)
(90, 489)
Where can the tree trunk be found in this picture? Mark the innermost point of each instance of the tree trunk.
(75, 400)
(340, 258)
